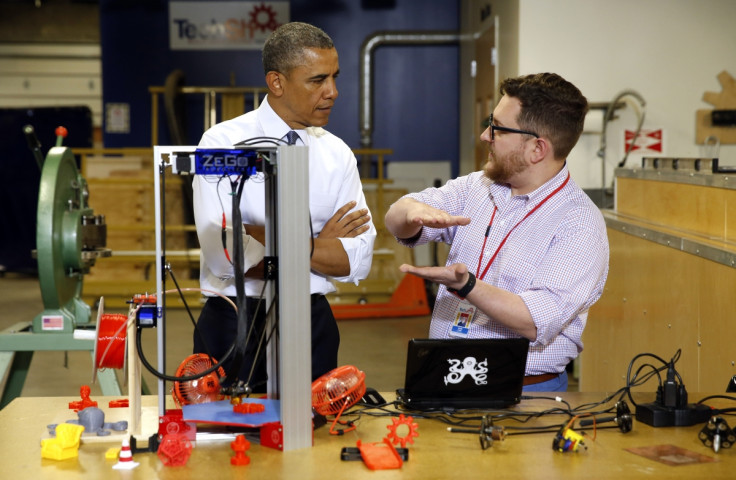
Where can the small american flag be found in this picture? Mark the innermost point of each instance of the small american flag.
(52, 322)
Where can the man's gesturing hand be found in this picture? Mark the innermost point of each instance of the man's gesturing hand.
(453, 276)
(421, 214)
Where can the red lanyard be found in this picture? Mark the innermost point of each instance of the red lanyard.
(488, 230)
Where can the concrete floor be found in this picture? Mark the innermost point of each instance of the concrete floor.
(376, 346)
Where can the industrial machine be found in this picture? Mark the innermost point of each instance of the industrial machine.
(69, 238)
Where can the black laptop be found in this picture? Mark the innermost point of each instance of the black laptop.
(457, 374)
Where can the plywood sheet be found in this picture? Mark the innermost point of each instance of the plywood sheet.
(658, 300)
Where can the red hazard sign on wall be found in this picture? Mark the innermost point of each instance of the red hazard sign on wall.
(648, 141)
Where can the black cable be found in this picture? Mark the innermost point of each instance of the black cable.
(256, 357)
(634, 383)
(588, 406)
(655, 371)
(239, 275)
(311, 236)
(170, 378)
(727, 397)
(246, 322)
(224, 226)
(238, 389)
(256, 140)
(191, 316)
(468, 418)
(554, 399)
(461, 418)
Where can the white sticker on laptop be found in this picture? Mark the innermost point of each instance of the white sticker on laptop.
(463, 320)
(469, 366)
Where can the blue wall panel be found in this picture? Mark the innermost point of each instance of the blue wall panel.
(416, 88)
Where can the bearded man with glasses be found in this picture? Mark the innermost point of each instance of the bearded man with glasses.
(529, 249)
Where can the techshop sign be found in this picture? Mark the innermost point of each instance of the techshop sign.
(648, 141)
(224, 25)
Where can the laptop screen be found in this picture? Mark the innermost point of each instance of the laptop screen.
(464, 373)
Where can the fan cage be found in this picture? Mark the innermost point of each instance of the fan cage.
(202, 390)
(337, 390)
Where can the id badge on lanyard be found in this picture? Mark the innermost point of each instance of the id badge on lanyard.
(464, 315)
(465, 312)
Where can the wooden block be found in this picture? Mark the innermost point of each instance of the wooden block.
(723, 100)
(727, 97)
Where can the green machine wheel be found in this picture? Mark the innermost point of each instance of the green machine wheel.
(69, 238)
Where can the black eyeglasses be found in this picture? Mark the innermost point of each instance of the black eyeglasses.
(506, 129)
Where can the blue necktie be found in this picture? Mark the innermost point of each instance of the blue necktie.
(291, 137)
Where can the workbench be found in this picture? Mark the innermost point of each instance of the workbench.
(672, 239)
(434, 454)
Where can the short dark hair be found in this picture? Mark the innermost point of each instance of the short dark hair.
(550, 106)
(283, 48)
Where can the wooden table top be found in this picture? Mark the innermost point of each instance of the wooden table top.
(434, 454)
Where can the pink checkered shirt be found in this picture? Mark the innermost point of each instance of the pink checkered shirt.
(556, 259)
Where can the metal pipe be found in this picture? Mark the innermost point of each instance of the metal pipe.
(366, 75)
(607, 117)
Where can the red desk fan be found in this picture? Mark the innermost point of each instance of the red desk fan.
(202, 390)
(336, 391)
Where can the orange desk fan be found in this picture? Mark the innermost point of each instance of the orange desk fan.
(336, 391)
(202, 390)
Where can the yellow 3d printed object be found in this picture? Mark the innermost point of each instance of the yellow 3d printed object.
(65, 444)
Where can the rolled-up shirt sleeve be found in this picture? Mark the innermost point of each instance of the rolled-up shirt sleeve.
(569, 281)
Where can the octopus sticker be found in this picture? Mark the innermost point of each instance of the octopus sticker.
(469, 366)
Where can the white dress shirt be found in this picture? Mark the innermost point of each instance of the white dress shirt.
(333, 182)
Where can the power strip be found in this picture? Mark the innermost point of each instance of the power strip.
(656, 415)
